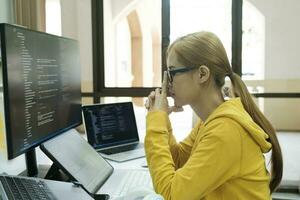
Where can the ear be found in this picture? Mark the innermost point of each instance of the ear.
(203, 74)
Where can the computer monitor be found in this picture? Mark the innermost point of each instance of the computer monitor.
(41, 87)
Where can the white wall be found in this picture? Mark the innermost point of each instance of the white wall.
(6, 11)
(282, 63)
(282, 37)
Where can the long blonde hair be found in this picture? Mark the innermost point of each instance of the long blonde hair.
(205, 48)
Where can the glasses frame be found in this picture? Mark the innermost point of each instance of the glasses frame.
(174, 70)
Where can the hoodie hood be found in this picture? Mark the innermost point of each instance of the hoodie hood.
(234, 110)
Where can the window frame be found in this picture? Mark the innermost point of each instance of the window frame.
(99, 89)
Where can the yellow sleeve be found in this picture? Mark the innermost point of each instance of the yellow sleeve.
(215, 159)
(181, 151)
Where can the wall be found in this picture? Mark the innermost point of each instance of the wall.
(284, 113)
(282, 37)
(282, 65)
(6, 11)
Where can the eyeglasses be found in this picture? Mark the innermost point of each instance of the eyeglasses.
(172, 72)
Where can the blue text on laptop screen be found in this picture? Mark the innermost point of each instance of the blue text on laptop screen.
(110, 124)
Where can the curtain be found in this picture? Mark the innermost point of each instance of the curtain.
(31, 14)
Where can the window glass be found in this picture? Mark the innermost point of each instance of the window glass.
(192, 16)
(201, 15)
(53, 17)
(132, 43)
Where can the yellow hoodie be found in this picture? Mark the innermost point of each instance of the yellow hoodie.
(221, 159)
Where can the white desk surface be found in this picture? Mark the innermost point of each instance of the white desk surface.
(17, 165)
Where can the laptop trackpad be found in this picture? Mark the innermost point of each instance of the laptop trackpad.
(114, 180)
(123, 180)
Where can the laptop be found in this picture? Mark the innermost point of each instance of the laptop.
(82, 163)
(17, 187)
(111, 129)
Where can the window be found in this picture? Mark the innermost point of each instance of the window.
(263, 56)
(253, 42)
(193, 15)
(130, 39)
(132, 43)
(53, 17)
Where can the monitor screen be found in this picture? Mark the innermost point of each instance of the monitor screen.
(41, 87)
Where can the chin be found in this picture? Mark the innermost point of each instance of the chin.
(178, 103)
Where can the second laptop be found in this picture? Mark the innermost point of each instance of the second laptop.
(111, 129)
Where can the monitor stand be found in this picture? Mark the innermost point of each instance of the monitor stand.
(52, 172)
(56, 173)
(31, 164)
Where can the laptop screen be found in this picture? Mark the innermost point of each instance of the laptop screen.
(110, 124)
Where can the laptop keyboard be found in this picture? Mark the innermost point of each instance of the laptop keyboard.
(132, 180)
(27, 189)
(122, 149)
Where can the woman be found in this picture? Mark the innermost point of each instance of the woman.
(222, 157)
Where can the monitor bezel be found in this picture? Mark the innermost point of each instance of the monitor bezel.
(9, 139)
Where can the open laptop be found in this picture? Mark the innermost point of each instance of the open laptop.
(17, 187)
(81, 162)
(111, 129)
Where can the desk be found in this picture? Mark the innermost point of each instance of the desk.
(285, 196)
(132, 164)
(17, 165)
(289, 143)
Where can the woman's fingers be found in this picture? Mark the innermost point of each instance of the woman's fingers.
(157, 93)
(151, 95)
(158, 99)
(148, 103)
(150, 100)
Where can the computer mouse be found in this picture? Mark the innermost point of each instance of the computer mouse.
(153, 197)
(138, 194)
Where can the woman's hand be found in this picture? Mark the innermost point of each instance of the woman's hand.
(157, 100)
